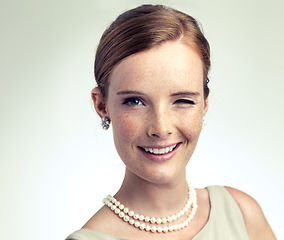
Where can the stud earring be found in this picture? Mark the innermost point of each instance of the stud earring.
(105, 123)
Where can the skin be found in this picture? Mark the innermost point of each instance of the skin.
(156, 115)
(155, 99)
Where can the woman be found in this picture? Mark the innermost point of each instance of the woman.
(152, 68)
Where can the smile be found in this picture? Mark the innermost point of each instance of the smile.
(159, 151)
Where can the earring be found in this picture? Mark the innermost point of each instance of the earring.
(105, 123)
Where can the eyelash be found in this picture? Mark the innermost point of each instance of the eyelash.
(133, 101)
(184, 101)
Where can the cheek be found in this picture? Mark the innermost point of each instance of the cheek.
(122, 124)
(124, 128)
(191, 126)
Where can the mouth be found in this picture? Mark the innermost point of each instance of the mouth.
(160, 150)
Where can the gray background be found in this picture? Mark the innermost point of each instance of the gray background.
(56, 162)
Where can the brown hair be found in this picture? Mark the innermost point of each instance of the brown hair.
(142, 28)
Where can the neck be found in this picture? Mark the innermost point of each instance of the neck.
(154, 199)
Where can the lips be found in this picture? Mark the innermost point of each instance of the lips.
(160, 153)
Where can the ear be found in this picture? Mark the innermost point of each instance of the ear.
(206, 104)
(99, 103)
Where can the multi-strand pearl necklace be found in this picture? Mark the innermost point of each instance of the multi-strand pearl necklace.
(137, 220)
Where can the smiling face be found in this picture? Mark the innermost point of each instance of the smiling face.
(156, 105)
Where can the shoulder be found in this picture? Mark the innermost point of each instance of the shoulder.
(98, 222)
(107, 224)
(255, 221)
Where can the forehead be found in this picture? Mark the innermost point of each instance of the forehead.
(171, 63)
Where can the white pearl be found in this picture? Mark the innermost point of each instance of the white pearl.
(175, 227)
(113, 207)
(137, 224)
(109, 204)
(121, 214)
(117, 211)
(114, 200)
(131, 213)
(131, 221)
(153, 229)
(164, 220)
(159, 229)
(141, 217)
(178, 215)
(170, 219)
(117, 203)
(165, 229)
(148, 228)
(121, 206)
(136, 216)
(174, 217)
(159, 220)
(153, 220)
(147, 219)
(182, 212)
(126, 210)
(126, 218)
(171, 228)
(142, 226)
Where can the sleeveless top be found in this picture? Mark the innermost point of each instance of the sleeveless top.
(225, 221)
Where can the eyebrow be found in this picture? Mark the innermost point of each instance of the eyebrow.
(189, 94)
(129, 92)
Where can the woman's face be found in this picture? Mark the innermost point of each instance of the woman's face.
(156, 105)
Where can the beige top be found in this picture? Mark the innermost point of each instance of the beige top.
(225, 221)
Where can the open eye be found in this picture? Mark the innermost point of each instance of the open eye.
(133, 101)
(184, 101)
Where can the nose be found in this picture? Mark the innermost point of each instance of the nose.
(160, 124)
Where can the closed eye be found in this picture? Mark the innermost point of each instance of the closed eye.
(184, 101)
(133, 101)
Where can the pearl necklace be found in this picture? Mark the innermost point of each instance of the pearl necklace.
(130, 216)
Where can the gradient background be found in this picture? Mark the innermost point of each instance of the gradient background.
(57, 163)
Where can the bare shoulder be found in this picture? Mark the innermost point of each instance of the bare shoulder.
(105, 221)
(256, 223)
(202, 193)
(98, 221)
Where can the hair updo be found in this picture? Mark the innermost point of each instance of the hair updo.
(142, 28)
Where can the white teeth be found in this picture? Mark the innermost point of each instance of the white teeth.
(172, 147)
(156, 150)
(160, 150)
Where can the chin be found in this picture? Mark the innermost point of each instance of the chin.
(162, 176)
